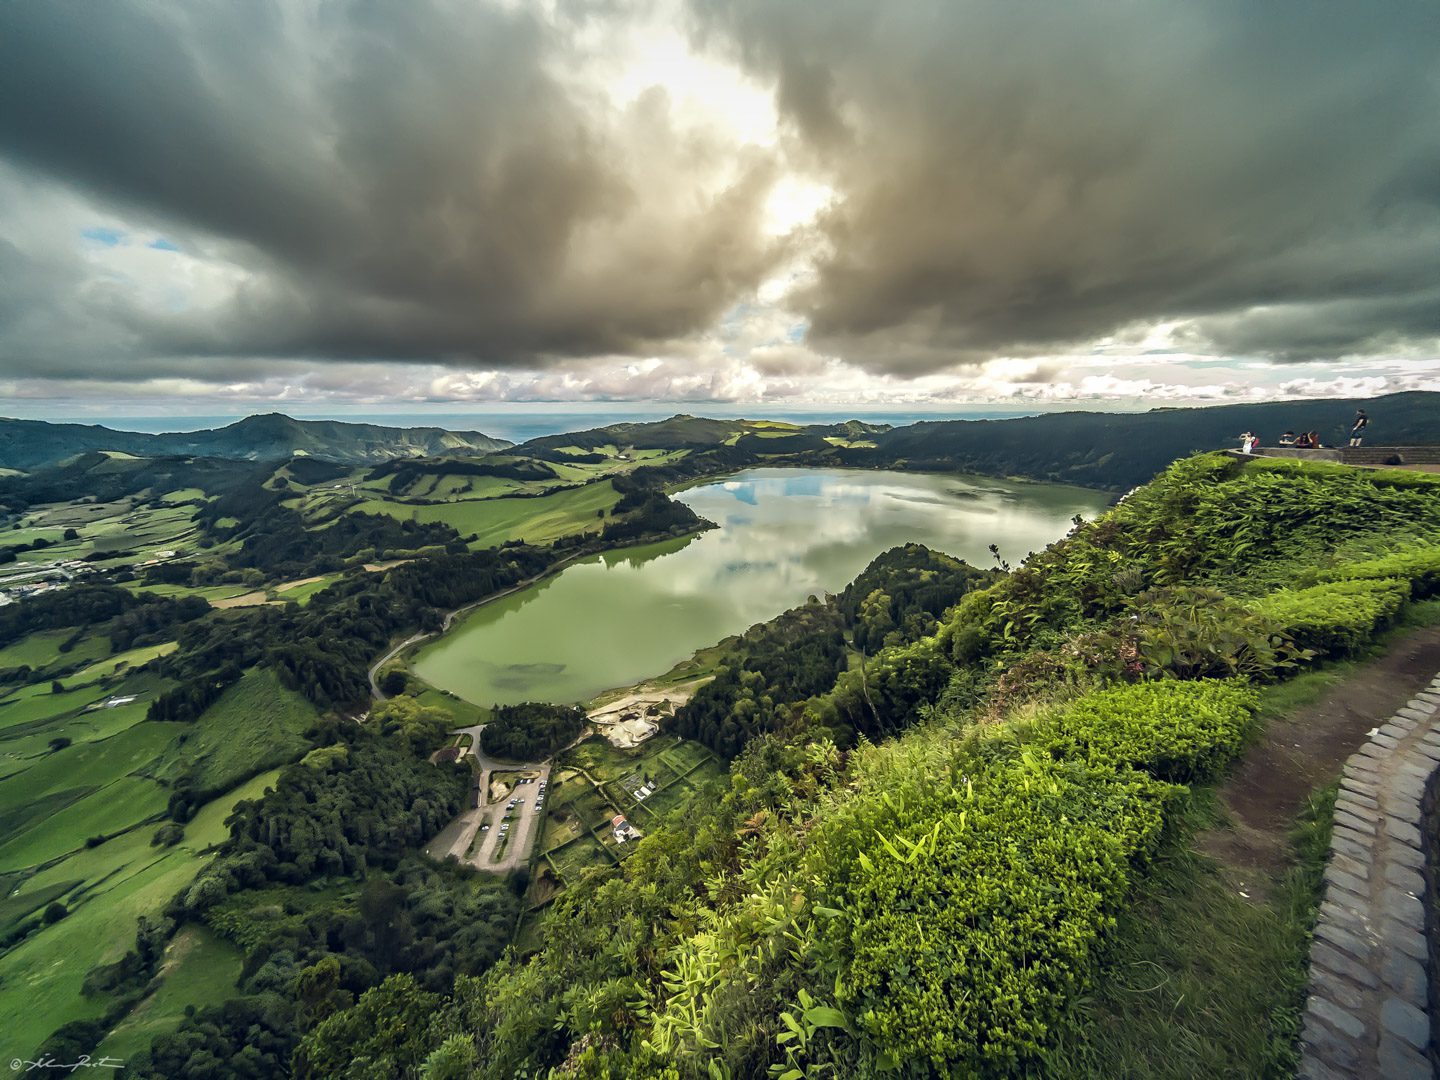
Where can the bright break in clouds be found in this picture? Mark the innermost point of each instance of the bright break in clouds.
(731, 200)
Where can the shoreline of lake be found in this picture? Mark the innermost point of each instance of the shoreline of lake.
(626, 615)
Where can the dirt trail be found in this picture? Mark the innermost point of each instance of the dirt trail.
(1304, 751)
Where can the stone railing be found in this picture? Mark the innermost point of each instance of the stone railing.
(1359, 455)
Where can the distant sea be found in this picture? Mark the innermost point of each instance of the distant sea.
(519, 425)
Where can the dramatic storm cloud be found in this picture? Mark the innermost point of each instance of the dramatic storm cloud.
(731, 200)
(1017, 176)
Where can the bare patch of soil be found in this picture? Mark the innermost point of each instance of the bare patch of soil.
(1306, 750)
(249, 599)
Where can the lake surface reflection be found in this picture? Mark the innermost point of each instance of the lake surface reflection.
(785, 534)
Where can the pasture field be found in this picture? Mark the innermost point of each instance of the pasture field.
(36, 704)
(77, 821)
(256, 724)
(536, 520)
(41, 651)
(132, 660)
(105, 889)
(120, 525)
(200, 968)
(302, 592)
(121, 804)
(209, 592)
(42, 976)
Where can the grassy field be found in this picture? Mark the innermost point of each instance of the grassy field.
(121, 525)
(41, 978)
(462, 713)
(131, 659)
(301, 594)
(209, 592)
(106, 888)
(119, 805)
(256, 724)
(200, 969)
(110, 786)
(494, 521)
(47, 807)
(41, 651)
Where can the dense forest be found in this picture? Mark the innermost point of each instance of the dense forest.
(766, 675)
(531, 731)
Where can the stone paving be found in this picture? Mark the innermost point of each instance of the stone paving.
(1368, 1011)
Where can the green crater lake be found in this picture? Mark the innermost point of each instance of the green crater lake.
(618, 618)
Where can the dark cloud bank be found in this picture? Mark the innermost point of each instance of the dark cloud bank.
(420, 181)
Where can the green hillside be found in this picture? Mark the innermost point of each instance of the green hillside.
(26, 444)
(1117, 451)
(940, 899)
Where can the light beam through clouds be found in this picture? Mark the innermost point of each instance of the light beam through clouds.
(720, 200)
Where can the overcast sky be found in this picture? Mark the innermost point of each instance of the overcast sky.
(340, 204)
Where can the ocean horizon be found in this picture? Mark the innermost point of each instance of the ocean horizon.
(518, 424)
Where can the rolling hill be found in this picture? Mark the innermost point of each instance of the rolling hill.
(1120, 450)
(29, 444)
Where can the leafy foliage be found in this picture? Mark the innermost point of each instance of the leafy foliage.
(769, 671)
(971, 911)
(1337, 617)
(1421, 567)
(385, 1031)
(531, 731)
(1178, 731)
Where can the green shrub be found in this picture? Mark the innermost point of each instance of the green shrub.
(969, 913)
(1337, 617)
(1178, 731)
(1420, 567)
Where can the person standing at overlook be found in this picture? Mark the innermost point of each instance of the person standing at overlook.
(1357, 432)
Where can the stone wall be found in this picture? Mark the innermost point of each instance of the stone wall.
(1359, 455)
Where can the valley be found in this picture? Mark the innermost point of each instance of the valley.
(238, 750)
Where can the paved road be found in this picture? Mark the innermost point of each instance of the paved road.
(458, 837)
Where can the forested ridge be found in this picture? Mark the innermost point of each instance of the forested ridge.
(1117, 451)
(766, 675)
(937, 902)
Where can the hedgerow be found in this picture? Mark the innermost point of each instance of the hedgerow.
(970, 912)
(1421, 567)
(1337, 617)
(1178, 731)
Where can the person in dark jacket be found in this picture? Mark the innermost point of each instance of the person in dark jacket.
(1357, 432)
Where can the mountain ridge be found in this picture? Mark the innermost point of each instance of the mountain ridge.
(29, 444)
